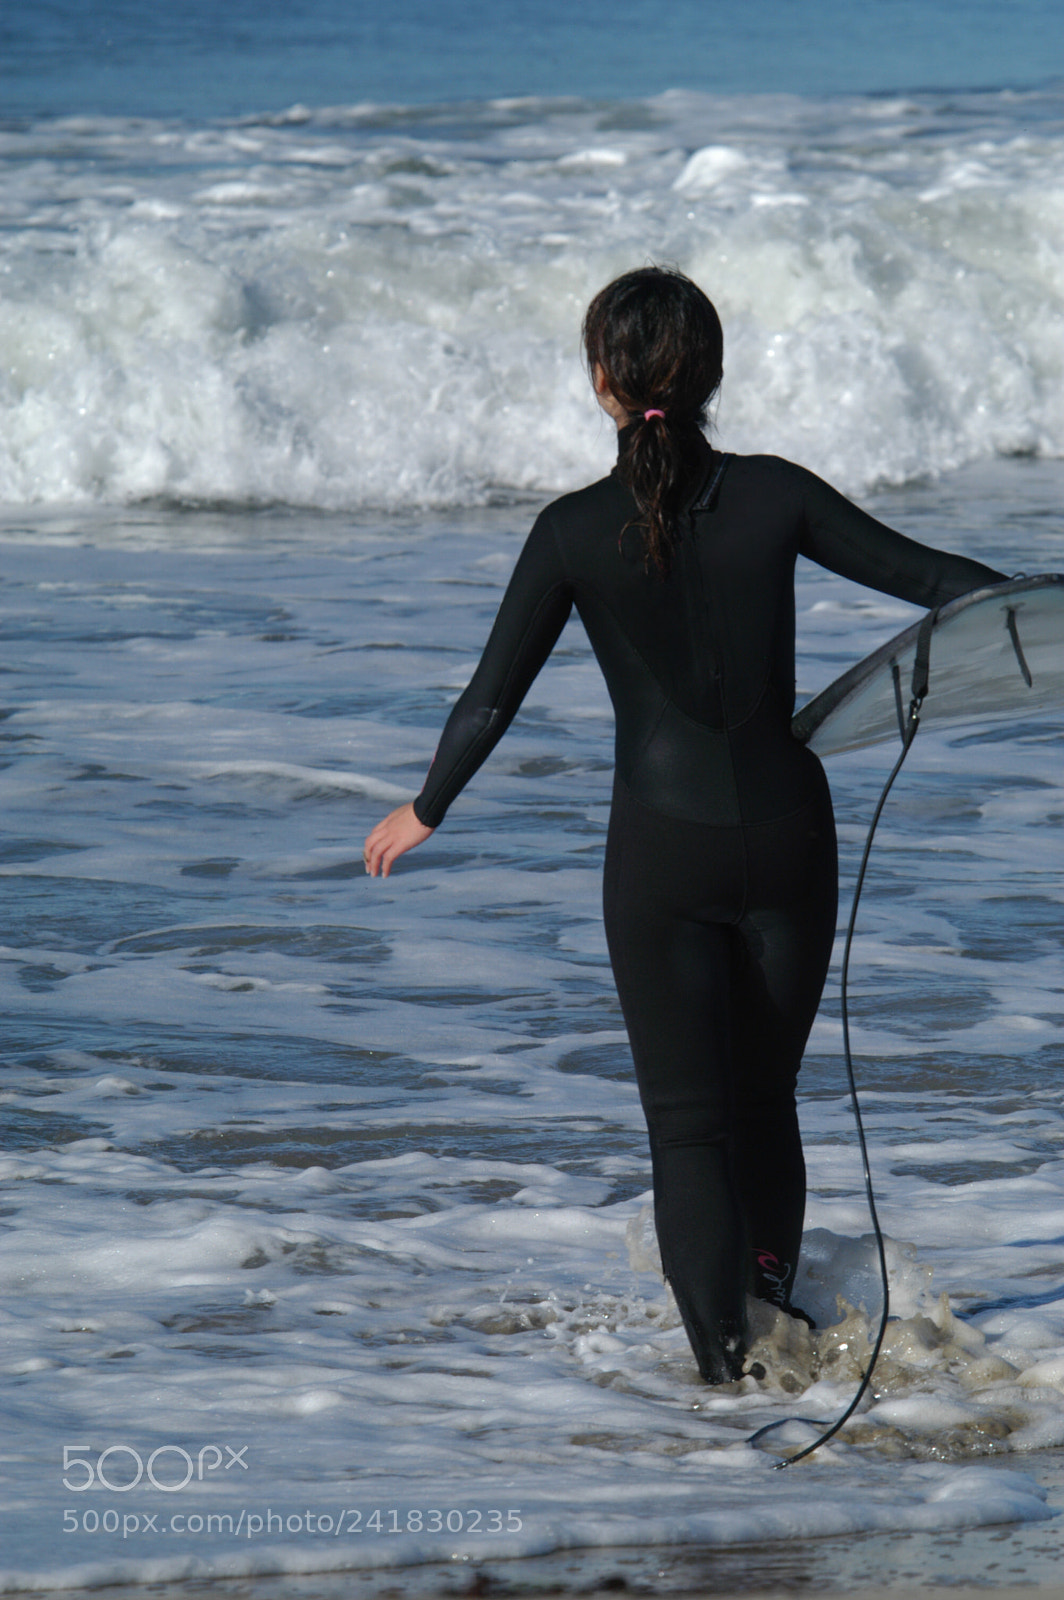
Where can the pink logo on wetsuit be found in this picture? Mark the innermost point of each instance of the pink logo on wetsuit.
(774, 1275)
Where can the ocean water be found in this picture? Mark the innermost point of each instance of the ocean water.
(232, 57)
(324, 1231)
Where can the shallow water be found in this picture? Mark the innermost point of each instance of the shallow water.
(1020, 1558)
(348, 1171)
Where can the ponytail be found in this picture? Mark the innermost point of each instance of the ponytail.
(656, 467)
(658, 341)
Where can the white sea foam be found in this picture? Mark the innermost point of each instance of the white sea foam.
(381, 308)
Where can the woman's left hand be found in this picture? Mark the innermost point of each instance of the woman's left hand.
(398, 833)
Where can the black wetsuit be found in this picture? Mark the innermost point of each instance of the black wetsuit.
(720, 882)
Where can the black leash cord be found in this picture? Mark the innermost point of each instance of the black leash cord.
(909, 734)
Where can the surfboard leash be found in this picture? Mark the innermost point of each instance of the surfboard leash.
(908, 728)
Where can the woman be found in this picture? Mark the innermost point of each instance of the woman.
(720, 877)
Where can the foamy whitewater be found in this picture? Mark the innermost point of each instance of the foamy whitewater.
(380, 307)
(325, 1237)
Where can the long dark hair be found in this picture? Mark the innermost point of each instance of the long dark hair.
(659, 342)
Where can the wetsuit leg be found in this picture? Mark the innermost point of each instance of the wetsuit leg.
(672, 955)
(787, 938)
(718, 998)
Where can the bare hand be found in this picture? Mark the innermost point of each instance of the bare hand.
(398, 833)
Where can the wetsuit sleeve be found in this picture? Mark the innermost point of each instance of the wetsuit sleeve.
(533, 613)
(839, 535)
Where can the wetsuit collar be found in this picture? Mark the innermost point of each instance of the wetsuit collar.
(627, 433)
(704, 459)
(625, 436)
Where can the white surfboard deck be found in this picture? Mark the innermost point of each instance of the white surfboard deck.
(977, 662)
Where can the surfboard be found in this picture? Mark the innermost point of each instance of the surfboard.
(994, 652)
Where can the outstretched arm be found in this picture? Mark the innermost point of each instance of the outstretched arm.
(534, 610)
(399, 832)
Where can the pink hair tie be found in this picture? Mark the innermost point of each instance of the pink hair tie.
(648, 414)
